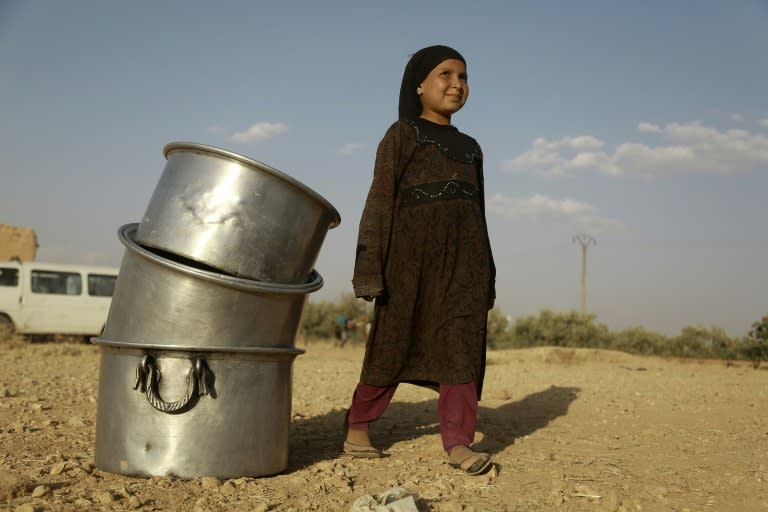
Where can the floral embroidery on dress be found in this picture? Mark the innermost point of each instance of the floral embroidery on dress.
(438, 191)
(423, 138)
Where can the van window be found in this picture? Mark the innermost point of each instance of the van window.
(59, 283)
(9, 276)
(101, 285)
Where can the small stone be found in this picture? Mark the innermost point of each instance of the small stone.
(340, 482)
(585, 490)
(105, 498)
(75, 421)
(261, 507)
(58, 468)
(298, 480)
(228, 488)
(39, 491)
(134, 502)
(441, 484)
(25, 508)
(82, 502)
(210, 482)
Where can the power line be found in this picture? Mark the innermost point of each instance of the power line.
(585, 241)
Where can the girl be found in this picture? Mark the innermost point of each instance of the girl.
(423, 254)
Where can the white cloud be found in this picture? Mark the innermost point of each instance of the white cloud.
(578, 215)
(763, 122)
(648, 127)
(689, 147)
(348, 149)
(259, 131)
(545, 157)
(736, 117)
(577, 143)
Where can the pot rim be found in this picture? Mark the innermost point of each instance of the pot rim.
(274, 350)
(194, 146)
(127, 232)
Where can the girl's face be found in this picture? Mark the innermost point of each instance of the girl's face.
(444, 91)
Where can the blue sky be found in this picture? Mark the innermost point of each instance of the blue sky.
(643, 124)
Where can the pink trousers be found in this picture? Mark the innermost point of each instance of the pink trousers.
(456, 408)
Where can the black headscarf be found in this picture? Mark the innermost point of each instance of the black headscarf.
(417, 69)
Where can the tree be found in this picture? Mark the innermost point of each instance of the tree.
(317, 320)
(498, 334)
(560, 330)
(637, 340)
(757, 344)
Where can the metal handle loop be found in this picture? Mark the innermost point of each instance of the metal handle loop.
(148, 378)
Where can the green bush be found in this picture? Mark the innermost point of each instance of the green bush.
(317, 320)
(637, 340)
(756, 346)
(698, 341)
(498, 333)
(560, 330)
(570, 329)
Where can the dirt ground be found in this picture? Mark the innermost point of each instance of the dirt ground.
(570, 430)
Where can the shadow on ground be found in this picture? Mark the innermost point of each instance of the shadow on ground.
(319, 438)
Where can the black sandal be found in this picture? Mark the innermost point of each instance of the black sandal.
(474, 464)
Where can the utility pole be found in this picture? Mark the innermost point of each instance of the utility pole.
(585, 241)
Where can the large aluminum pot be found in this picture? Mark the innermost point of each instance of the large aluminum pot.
(193, 413)
(162, 301)
(236, 215)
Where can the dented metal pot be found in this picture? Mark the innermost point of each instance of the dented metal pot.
(236, 215)
(193, 412)
(161, 301)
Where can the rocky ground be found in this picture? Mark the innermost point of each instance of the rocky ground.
(570, 430)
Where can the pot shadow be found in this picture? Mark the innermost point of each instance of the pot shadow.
(319, 438)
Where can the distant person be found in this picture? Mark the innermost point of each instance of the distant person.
(340, 329)
(423, 254)
(351, 327)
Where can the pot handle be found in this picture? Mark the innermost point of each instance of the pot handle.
(148, 376)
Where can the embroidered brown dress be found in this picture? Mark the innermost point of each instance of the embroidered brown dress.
(423, 252)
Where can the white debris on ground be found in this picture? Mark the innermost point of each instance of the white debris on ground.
(396, 499)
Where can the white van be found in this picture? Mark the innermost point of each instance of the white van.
(54, 298)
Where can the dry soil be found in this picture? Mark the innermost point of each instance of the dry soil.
(570, 430)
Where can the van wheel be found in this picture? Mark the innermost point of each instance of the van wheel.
(6, 328)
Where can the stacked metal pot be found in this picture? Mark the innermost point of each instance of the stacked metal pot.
(198, 349)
